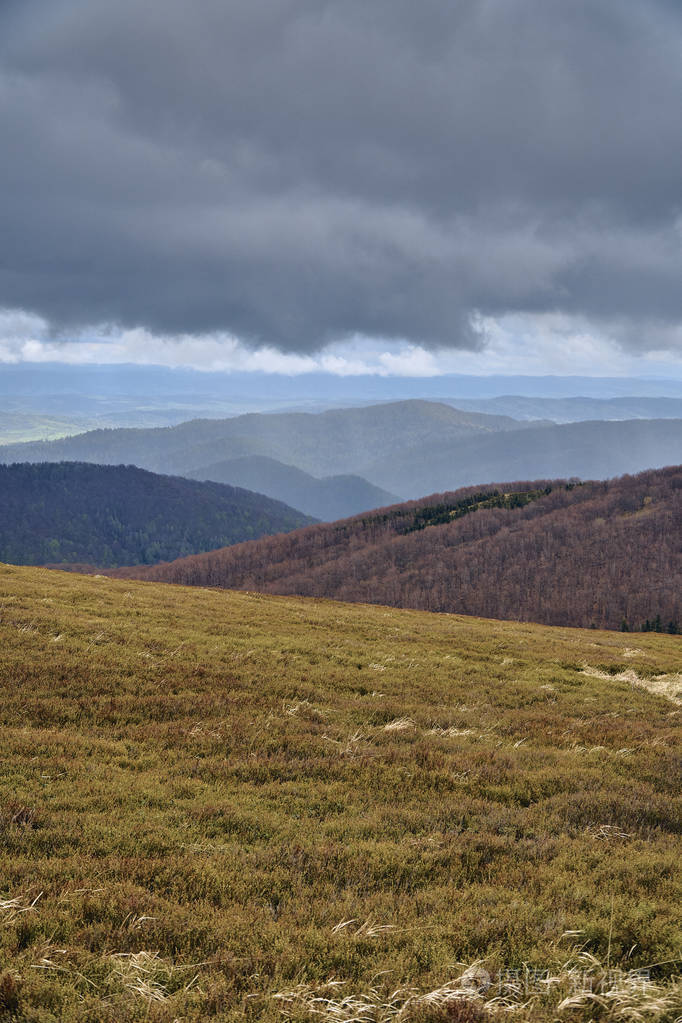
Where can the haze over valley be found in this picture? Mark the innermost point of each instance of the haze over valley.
(409, 449)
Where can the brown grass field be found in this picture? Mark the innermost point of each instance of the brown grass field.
(219, 805)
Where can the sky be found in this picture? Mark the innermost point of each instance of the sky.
(486, 186)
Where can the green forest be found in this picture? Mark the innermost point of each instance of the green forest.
(76, 513)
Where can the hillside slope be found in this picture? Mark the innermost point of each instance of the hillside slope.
(113, 515)
(327, 499)
(212, 804)
(577, 555)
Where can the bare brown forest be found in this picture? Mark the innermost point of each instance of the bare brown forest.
(603, 554)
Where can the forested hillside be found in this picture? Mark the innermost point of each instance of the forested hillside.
(602, 553)
(74, 512)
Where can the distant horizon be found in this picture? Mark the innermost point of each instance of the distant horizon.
(255, 389)
(56, 365)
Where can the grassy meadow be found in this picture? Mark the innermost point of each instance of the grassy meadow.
(220, 805)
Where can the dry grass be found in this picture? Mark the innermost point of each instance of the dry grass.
(367, 929)
(147, 976)
(449, 733)
(11, 909)
(202, 807)
(400, 725)
(668, 686)
(580, 988)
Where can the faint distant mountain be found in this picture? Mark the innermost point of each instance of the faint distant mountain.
(120, 515)
(545, 551)
(49, 400)
(573, 410)
(329, 498)
(591, 450)
(150, 383)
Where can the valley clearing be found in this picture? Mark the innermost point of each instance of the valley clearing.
(222, 805)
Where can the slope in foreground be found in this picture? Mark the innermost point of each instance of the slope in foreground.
(212, 804)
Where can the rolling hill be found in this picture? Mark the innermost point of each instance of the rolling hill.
(243, 808)
(409, 448)
(114, 515)
(546, 551)
(329, 498)
(325, 443)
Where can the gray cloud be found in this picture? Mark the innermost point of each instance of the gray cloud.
(298, 171)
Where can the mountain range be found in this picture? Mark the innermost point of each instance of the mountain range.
(603, 554)
(324, 443)
(409, 448)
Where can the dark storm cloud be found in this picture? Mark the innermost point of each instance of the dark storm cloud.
(296, 171)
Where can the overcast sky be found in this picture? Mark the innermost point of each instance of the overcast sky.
(474, 185)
